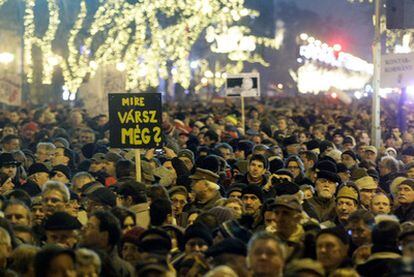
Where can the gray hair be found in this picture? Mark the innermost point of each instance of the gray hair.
(86, 257)
(263, 235)
(59, 186)
(83, 175)
(45, 145)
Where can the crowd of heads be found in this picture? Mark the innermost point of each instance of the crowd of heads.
(299, 190)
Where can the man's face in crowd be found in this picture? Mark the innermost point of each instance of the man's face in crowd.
(40, 178)
(60, 177)
(178, 202)
(201, 191)
(43, 155)
(102, 120)
(307, 163)
(237, 208)
(370, 156)
(10, 170)
(266, 258)
(325, 188)
(63, 238)
(96, 166)
(360, 232)
(330, 251)
(345, 207)
(293, 149)
(270, 219)
(14, 117)
(8, 130)
(62, 265)
(92, 236)
(338, 139)
(225, 153)
(405, 194)
(18, 215)
(348, 161)
(53, 201)
(195, 245)
(256, 169)
(38, 214)
(86, 137)
(12, 145)
(407, 159)
(109, 168)
(251, 203)
(281, 124)
(380, 204)
(235, 194)
(60, 157)
(286, 219)
(366, 196)
(188, 163)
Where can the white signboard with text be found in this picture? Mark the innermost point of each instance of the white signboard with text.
(397, 70)
(243, 85)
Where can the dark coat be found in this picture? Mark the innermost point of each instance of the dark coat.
(379, 264)
(31, 188)
(405, 213)
(324, 208)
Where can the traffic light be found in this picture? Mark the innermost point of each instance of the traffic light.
(400, 14)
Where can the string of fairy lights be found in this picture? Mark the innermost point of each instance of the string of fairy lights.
(135, 40)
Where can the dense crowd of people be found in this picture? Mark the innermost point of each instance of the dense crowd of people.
(298, 191)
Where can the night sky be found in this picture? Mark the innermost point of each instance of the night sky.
(354, 29)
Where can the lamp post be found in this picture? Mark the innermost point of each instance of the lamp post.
(376, 100)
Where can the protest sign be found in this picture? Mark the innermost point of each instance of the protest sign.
(135, 120)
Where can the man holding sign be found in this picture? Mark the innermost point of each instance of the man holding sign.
(135, 122)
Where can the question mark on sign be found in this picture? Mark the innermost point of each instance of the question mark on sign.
(157, 136)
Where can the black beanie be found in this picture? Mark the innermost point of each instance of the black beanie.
(385, 236)
(198, 230)
(338, 232)
(253, 189)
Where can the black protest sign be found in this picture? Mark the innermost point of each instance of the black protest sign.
(135, 120)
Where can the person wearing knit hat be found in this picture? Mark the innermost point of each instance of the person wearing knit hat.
(336, 254)
(61, 173)
(407, 155)
(325, 147)
(235, 190)
(304, 267)
(222, 214)
(343, 172)
(252, 198)
(62, 229)
(236, 230)
(323, 203)
(384, 250)
(390, 151)
(60, 142)
(367, 189)
(405, 199)
(130, 244)
(38, 175)
(187, 156)
(349, 158)
(349, 143)
(370, 154)
(230, 252)
(197, 238)
(325, 165)
(292, 145)
(347, 202)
